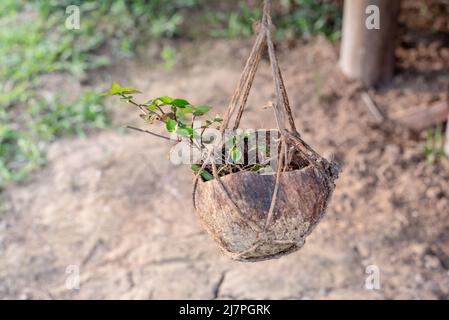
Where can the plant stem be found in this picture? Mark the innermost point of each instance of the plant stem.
(151, 133)
(143, 109)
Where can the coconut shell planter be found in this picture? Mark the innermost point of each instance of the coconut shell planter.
(255, 217)
(301, 202)
(259, 194)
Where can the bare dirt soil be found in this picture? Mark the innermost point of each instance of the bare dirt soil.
(114, 205)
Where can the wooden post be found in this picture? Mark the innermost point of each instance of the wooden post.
(367, 53)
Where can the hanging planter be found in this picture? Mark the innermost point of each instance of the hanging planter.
(238, 219)
(251, 213)
(256, 217)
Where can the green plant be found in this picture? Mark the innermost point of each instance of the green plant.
(234, 24)
(19, 155)
(434, 146)
(311, 17)
(126, 19)
(10, 7)
(50, 118)
(35, 42)
(180, 117)
(305, 18)
(23, 141)
(168, 54)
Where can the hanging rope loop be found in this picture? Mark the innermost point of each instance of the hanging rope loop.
(289, 136)
(238, 102)
(266, 12)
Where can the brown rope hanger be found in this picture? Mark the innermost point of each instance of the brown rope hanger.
(260, 238)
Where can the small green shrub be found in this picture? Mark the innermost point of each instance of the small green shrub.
(234, 23)
(312, 17)
(19, 154)
(180, 119)
(50, 118)
(23, 142)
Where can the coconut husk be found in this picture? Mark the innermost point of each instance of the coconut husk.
(301, 202)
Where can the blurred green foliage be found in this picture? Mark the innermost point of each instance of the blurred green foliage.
(312, 17)
(434, 146)
(19, 154)
(50, 118)
(168, 54)
(303, 18)
(233, 23)
(24, 136)
(34, 42)
(10, 7)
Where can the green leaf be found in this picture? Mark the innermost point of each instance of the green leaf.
(236, 155)
(184, 114)
(171, 125)
(113, 89)
(231, 143)
(185, 132)
(165, 100)
(117, 89)
(187, 110)
(181, 103)
(129, 91)
(204, 174)
(152, 107)
(201, 110)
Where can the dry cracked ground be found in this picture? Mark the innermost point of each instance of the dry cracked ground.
(114, 206)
